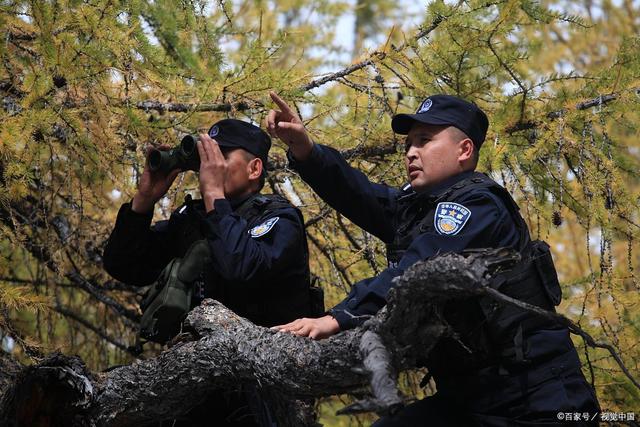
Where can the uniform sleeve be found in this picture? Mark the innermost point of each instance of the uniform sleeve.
(136, 253)
(347, 190)
(489, 225)
(238, 255)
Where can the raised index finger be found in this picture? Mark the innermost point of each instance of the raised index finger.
(280, 103)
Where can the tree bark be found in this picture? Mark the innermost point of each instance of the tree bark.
(9, 369)
(228, 350)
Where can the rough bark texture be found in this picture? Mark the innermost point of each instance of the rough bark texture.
(378, 362)
(9, 370)
(231, 350)
(57, 391)
(228, 350)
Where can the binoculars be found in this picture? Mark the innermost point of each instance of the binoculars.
(184, 157)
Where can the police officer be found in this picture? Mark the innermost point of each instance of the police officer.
(258, 248)
(521, 369)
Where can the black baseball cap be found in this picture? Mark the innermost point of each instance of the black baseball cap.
(233, 133)
(446, 110)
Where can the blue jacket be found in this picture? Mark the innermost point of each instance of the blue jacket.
(530, 369)
(379, 209)
(259, 266)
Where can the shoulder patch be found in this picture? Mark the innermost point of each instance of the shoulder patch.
(450, 218)
(264, 228)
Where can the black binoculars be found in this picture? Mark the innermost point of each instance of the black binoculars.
(184, 157)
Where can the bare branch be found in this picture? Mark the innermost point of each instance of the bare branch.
(342, 73)
(186, 108)
(376, 360)
(76, 318)
(584, 105)
(230, 350)
(568, 323)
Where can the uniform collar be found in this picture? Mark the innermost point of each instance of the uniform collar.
(440, 188)
(199, 203)
(236, 203)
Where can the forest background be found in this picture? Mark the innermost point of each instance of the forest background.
(86, 85)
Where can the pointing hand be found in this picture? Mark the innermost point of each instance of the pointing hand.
(286, 125)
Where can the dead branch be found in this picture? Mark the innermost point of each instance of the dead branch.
(228, 350)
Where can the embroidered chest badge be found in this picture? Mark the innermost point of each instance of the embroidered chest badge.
(450, 218)
(264, 228)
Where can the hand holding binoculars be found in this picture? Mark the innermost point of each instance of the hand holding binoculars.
(184, 157)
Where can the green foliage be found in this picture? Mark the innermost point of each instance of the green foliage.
(559, 80)
(22, 298)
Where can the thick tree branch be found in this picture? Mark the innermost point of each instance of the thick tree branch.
(230, 350)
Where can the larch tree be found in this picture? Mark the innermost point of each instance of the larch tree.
(87, 85)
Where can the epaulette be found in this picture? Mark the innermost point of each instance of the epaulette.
(261, 200)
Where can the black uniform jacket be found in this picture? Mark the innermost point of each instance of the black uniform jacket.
(381, 210)
(259, 265)
(537, 370)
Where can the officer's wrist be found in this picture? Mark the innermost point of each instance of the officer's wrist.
(295, 160)
(141, 204)
(333, 323)
(301, 152)
(210, 198)
(344, 319)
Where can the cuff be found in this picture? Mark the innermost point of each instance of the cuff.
(128, 216)
(347, 320)
(220, 207)
(316, 152)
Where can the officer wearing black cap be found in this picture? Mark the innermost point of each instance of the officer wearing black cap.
(258, 249)
(231, 133)
(506, 367)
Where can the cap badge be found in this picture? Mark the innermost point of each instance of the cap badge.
(214, 131)
(426, 105)
(450, 218)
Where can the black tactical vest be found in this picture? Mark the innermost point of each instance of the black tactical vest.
(186, 224)
(487, 333)
(267, 305)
